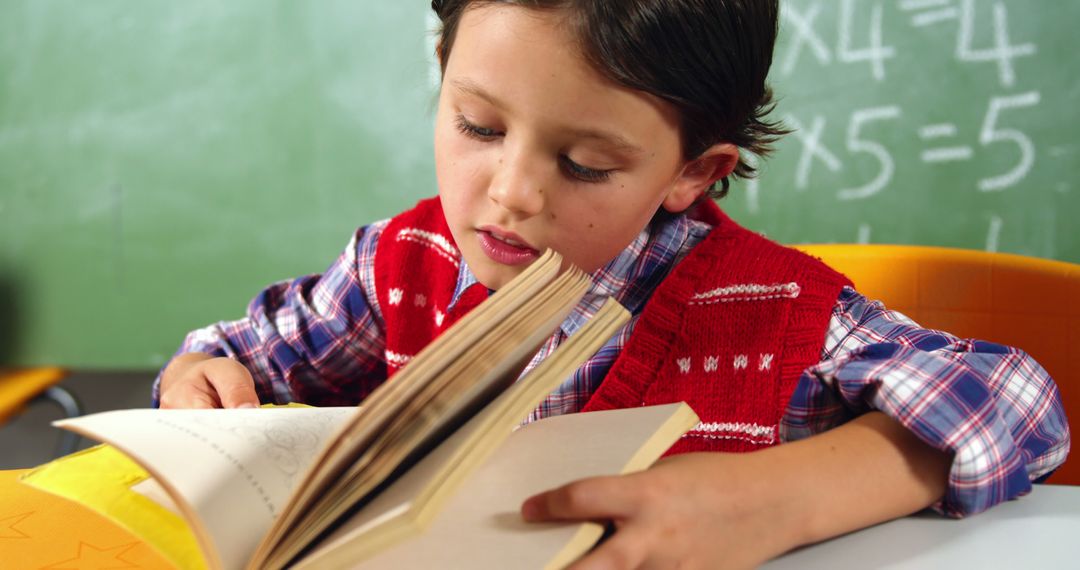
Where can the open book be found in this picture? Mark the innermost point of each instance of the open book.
(431, 457)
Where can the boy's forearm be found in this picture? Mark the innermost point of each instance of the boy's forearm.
(714, 510)
(867, 471)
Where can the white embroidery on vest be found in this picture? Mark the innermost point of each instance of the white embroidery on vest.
(765, 362)
(754, 433)
(746, 292)
(439, 316)
(684, 365)
(436, 242)
(740, 362)
(712, 363)
(420, 300)
(396, 359)
(396, 296)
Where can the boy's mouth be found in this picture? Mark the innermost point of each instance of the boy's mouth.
(505, 247)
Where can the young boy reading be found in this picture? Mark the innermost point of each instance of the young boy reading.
(600, 129)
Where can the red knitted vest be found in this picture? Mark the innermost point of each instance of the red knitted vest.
(416, 269)
(729, 331)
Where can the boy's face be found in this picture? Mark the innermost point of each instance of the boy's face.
(534, 149)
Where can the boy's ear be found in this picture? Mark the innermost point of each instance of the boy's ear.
(700, 174)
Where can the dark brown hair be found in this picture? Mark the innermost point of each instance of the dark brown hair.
(709, 58)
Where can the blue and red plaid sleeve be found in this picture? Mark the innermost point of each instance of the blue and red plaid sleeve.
(992, 407)
(316, 339)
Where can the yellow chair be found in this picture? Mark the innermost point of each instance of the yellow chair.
(20, 387)
(1029, 303)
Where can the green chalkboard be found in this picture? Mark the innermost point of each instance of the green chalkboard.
(942, 122)
(161, 161)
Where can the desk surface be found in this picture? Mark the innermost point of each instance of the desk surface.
(1040, 530)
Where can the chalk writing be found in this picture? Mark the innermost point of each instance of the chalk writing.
(856, 143)
(812, 148)
(802, 26)
(1003, 53)
(876, 52)
(994, 233)
(863, 236)
(991, 134)
(857, 154)
(929, 12)
(942, 154)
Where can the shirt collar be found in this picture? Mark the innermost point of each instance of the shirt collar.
(629, 278)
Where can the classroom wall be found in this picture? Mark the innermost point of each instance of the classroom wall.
(162, 161)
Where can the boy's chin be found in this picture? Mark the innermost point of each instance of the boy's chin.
(495, 276)
(492, 274)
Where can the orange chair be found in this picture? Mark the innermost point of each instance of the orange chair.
(1029, 303)
(20, 387)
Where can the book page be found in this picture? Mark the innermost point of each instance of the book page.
(408, 505)
(481, 526)
(390, 399)
(153, 490)
(476, 373)
(229, 471)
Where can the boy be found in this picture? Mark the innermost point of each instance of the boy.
(595, 128)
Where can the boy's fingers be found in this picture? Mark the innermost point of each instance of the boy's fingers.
(235, 388)
(239, 396)
(587, 499)
(188, 398)
(627, 548)
(196, 380)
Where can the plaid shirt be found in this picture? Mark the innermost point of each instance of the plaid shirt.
(993, 407)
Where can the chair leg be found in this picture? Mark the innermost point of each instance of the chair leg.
(69, 404)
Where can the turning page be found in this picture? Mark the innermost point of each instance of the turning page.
(228, 471)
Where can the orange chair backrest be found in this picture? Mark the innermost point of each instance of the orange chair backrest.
(19, 386)
(1030, 303)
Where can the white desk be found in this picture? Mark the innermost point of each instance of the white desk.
(1040, 530)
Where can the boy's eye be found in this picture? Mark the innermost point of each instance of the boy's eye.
(583, 173)
(470, 130)
(571, 168)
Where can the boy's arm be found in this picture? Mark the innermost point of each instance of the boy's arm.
(895, 418)
(991, 407)
(727, 510)
(316, 339)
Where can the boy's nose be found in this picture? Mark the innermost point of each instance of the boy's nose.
(517, 188)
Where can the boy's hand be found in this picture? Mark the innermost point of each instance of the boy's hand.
(738, 510)
(697, 510)
(197, 380)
